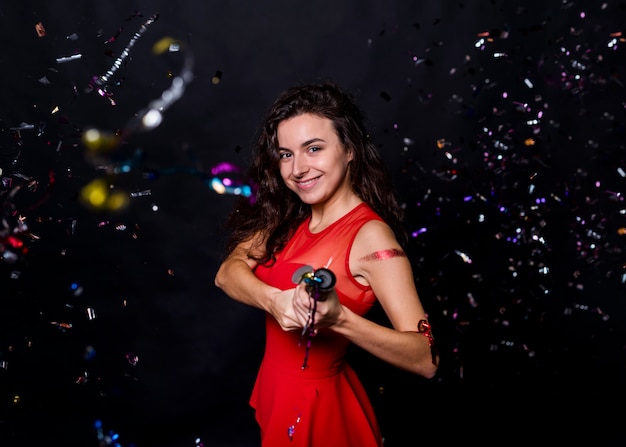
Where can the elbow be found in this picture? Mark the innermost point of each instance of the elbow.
(431, 368)
(218, 280)
(430, 371)
(426, 368)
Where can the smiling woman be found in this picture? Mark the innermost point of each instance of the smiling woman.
(105, 309)
(324, 200)
(316, 169)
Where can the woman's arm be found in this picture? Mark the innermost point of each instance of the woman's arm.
(378, 260)
(236, 278)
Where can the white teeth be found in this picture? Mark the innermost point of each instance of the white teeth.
(307, 182)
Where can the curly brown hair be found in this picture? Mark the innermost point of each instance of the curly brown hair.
(275, 211)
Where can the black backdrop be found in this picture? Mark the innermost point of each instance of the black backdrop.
(502, 123)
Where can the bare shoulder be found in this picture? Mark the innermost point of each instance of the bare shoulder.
(374, 242)
(374, 236)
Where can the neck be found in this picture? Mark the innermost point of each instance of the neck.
(323, 215)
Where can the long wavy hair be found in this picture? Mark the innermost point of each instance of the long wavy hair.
(275, 211)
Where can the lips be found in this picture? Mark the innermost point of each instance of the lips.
(306, 184)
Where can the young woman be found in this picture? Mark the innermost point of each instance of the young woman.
(323, 203)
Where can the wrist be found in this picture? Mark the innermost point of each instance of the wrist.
(342, 319)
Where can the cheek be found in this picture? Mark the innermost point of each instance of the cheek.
(343, 164)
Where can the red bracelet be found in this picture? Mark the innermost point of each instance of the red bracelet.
(424, 328)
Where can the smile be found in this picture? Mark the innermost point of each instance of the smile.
(307, 183)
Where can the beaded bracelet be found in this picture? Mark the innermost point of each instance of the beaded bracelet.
(424, 328)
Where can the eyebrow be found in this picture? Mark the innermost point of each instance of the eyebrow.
(312, 140)
(305, 143)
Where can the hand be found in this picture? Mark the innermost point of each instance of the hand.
(321, 313)
(289, 316)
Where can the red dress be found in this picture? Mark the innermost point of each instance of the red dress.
(323, 404)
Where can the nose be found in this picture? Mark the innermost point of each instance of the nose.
(300, 166)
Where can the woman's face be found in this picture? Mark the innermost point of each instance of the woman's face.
(313, 162)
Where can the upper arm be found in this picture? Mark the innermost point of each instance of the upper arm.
(377, 257)
(241, 254)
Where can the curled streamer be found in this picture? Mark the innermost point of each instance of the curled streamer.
(150, 116)
(102, 81)
(97, 194)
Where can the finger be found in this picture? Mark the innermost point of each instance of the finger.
(302, 299)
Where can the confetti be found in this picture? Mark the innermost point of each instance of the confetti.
(40, 29)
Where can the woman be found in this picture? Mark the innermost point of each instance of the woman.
(323, 202)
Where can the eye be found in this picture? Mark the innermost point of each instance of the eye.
(284, 155)
(315, 149)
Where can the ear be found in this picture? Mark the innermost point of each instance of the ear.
(350, 152)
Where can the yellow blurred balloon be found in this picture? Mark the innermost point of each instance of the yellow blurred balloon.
(97, 195)
(97, 141)
(117, 201)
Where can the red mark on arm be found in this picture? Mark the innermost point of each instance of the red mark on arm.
(383, 254)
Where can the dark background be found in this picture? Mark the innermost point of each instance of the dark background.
(501, 121)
